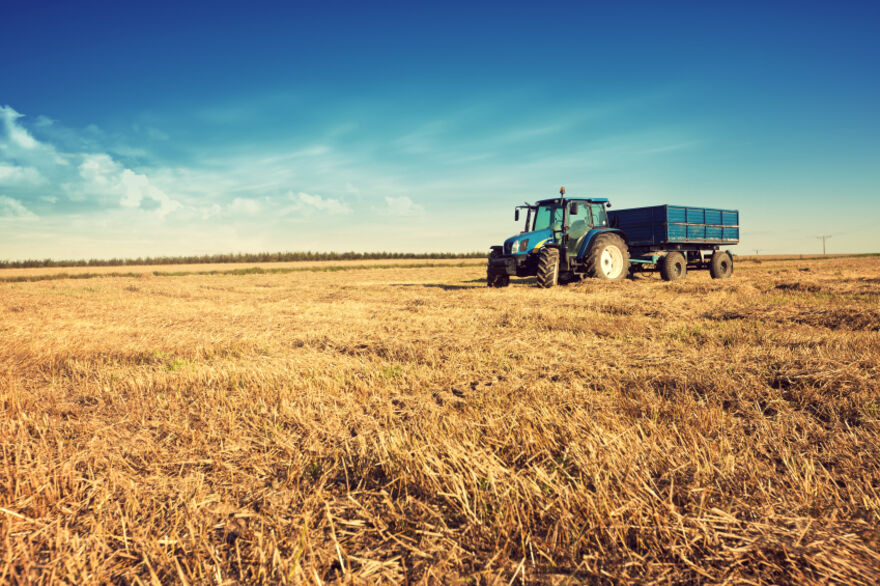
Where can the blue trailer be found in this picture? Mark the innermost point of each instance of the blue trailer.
(566, 238)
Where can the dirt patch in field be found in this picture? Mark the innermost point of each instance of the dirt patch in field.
(803, 286)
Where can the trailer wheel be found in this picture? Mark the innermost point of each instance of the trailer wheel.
(608, 258)
(548, 267)
(673, 267)
(721, 265)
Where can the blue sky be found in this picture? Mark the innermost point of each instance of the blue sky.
(205, 127)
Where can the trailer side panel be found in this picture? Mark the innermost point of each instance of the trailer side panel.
(669, 224)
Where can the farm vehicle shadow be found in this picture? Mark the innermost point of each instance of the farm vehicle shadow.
(477, 284)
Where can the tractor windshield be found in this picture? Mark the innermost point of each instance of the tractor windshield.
(546, 215)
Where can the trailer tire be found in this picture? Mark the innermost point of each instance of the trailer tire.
(608, 258)
(673, 267)
(548, 267)
(721, 265)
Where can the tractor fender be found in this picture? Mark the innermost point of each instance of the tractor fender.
(588, 239)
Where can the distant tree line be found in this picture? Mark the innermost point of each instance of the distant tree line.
(235, 258)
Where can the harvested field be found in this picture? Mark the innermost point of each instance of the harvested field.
(226, 268)
(408, 424)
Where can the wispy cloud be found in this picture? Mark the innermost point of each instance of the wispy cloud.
(316, 202)
(246, 206)
(17, 136)
(14, 175)
(675, 146)
(12, 208)
(403, 206)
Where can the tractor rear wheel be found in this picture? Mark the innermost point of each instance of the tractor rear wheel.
(673, 267)
(721, 265)
(548, 267)
(608, 258)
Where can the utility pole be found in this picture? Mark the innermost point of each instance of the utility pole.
(757, 250)
(823, 239)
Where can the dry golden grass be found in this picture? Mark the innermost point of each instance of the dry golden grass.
(390, 425)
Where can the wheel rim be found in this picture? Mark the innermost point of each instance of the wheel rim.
(611, 262)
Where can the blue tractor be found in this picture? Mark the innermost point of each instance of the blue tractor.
(567, 238)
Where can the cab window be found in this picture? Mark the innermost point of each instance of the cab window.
(579, 224)
(546, 216)
(582, 215)
(600, 218)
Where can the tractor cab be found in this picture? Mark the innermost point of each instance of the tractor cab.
(560, 221)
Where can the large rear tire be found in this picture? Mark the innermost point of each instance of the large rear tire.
(673, 267)
(548, 267)
(608, 258)
(721, 265)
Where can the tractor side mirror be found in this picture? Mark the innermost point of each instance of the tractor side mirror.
(516, 215)
(573, 208)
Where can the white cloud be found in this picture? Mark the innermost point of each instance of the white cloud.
(324, 204)
(17, 135)
(17, 144)
(243, 205)
(102, 175)
(12, 208)
(83, 177)
(14, 175)
(211, 211)
(98, 170)
(137, 187)
(403, 206)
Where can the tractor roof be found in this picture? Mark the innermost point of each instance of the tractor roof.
(589, 199)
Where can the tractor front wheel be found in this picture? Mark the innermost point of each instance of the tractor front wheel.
(608, 258)
(548, 267)
(494, 277)
(497, 279)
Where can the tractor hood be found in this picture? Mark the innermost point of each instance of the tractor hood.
(527, 241)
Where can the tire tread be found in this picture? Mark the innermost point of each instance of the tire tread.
(548, 267)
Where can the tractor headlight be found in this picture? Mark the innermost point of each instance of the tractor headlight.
(523, 245)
